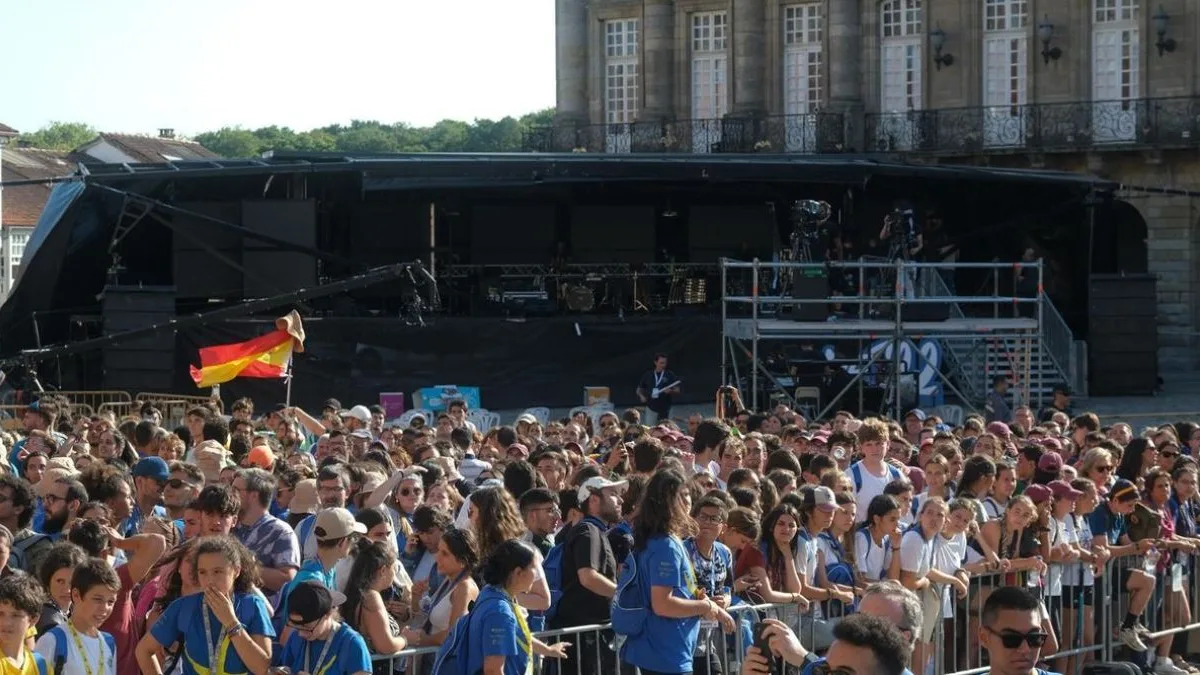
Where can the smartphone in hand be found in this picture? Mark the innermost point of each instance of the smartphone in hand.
(764, 646)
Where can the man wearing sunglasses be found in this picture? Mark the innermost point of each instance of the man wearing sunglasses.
(1011, 632)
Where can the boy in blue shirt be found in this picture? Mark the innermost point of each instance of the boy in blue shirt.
(319, 643)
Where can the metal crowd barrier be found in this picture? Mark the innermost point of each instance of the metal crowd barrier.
(954, 649)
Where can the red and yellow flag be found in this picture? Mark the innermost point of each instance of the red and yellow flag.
(265, 356)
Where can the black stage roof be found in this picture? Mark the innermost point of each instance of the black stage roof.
(398, 171)
(79, 225)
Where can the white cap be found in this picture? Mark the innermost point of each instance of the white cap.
(360, 413)
(596, 484)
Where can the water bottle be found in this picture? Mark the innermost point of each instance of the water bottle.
(1150, 562)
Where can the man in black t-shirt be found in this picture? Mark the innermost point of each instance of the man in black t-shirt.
(589, 578)
(656, 389)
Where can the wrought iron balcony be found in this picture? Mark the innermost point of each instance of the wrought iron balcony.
(1162, 123)
(808, 133)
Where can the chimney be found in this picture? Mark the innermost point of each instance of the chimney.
(166, 132)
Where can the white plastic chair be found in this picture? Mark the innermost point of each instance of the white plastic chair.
(541, 414)
(950, 414)
(406, 418)
(484, 420)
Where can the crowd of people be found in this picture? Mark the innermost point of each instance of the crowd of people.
(335, 542)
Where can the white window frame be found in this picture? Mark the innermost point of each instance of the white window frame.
(709, 42)
(1006, 24)
(1115, 119)
(621, 71)
(803, 74)
(901, 52)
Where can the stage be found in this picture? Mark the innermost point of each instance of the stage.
(519, 248)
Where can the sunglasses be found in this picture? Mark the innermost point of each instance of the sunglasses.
(1104, 469)
(408, 492)
(1013, 640)
(1168, 454)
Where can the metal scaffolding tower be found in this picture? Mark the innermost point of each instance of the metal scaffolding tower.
(895, 302)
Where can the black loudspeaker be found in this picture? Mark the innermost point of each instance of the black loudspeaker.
(1123, 334)
(926, 311)
(810, 284)
(144, 364)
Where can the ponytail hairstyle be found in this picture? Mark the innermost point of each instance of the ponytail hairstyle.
(508, 557)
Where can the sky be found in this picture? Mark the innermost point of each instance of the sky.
(135, 66)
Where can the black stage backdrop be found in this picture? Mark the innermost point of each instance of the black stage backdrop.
(517, 364)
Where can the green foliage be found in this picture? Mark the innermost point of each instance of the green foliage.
(61, 136)
(370, 136)
(360, 136)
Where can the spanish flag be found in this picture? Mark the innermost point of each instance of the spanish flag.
(265, 356)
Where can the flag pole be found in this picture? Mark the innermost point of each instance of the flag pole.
(287, 401)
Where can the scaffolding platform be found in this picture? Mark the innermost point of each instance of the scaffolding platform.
(869, 324)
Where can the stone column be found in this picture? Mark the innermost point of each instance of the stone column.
(570, 41)
(749, 57)
(658, 60)
(845, 72)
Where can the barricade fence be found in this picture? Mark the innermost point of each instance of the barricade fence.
(1083, 610)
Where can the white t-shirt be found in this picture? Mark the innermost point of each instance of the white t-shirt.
(47, 644)
(1081, 535)
(948, 555)
(993, 508)
(806, 559)
(872, 558)
(872, 485)
(1054, 575)
(916, 554)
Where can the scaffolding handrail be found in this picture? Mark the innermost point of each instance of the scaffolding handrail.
(878, 299)
(729, 263)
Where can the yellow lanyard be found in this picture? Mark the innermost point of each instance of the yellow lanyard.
(526, 634)
(87, 667)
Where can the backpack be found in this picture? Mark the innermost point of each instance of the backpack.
(856, 473)
(452, 656)
(552, 565)
(887, 548)
(18, 557)
(61, 648)
(40, 662)
(631, 602)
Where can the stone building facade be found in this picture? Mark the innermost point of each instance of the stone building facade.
(1109, 87)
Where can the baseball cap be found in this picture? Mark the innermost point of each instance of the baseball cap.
(518, 448)
(261, 456)
(152, 467)
(999, 428)
(361, 433)
(1038, 493)
(820, 497)
(1062, 488)
(331, 404)
(1123, 490)
(311, 600)
(596, 484)
(358, 412)
(304, 498)
(336, 523)
(915, 412)
(1050, 462)
(526, 418)
(1051, 443)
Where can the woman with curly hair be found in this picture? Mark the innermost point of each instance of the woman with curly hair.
(495, 519)
(233, 632)
(668, 642)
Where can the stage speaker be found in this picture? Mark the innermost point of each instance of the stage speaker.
(1123, 334)
(810, 284)
(144, 364)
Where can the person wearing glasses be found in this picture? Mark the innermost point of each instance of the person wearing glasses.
(1011, 632)
(320, 642)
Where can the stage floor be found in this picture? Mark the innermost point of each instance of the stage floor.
(786, 328)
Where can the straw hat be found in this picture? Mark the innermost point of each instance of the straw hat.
(304, 500)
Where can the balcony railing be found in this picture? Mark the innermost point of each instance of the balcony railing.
(808, 133)
(1044, 127)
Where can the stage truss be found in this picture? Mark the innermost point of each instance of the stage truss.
(895, 303)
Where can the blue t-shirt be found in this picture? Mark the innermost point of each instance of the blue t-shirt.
(812, 666)
(309, 571)
(347, 654)
(666, 645)
(179, 622)
(1103, 521)
(493, 630)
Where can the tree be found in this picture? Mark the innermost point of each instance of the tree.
(61, 136)
(231, 142)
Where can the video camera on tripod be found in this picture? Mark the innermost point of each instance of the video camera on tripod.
(808, 219)
(900, 233)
